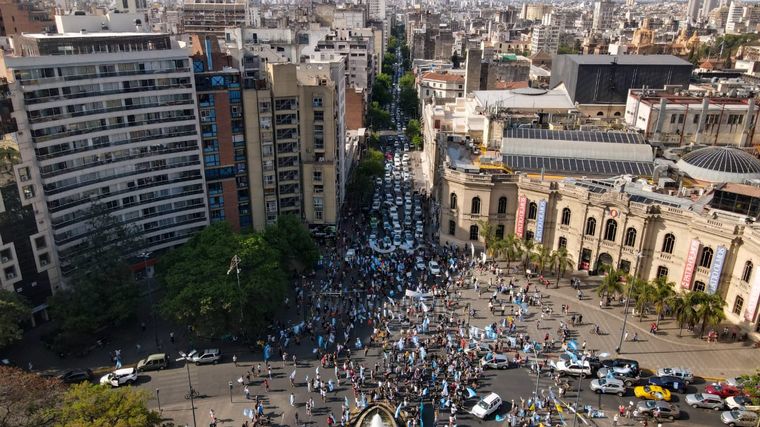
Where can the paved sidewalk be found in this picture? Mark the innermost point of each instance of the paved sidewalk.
(712, 361)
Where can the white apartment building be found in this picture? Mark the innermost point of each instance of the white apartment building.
(441, 85)
(544, 38)
(682, 118)
(604, 15)
(357, 48)
(734, 19)
(106, 118)
(377, 10)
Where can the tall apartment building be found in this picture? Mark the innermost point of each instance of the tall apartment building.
(357, 48)
(692, 10)
(212, 16)
(24, 16)
(106, 118)
(604, 15)
(376, 10)
(296, 143)
(220, 110)
(544, 38)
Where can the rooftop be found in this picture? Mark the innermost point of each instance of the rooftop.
(525, 98)
(627, 59)
(443, 77)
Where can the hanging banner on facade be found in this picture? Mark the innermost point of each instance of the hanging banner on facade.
(691, 262)
(540, 221)
(754, 296)
(716, 269)
(520, 220)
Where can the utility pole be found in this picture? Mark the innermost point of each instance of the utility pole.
(192, 392)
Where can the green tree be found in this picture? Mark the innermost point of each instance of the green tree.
(363, 179)
(488, 232)
(377, 117)
(512, 248)
(88, 404)
(412, 128)
(293, 240)
(102, 292)
(543, 258)
(392, 44)
(709, 309)
(381, 89)
(388, 60)
(528, 247)
(28, 400)
(13, 310)
(611, 284)
(9, 157)
(643, 292)
(684, 310)
(374, 140)
(663, 295)
(417, 142)
(561, 261)
(566, 49)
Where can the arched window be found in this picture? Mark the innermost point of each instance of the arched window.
(500, 231)
(473, 232)
(532, 210)
(566, 216)
(502, 205)
(617, 114)
(475, 205)
(452, 227)
(610, 230)
(668, 242)
(699, 286)
(529, 235)
(738, 304)
(562, 242)
(747, 273)
(662, 271)
(630, 237)
(590, 227)
(706, 259)
(453, 201)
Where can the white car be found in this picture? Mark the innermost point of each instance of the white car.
(738, 402)
(396, 240)
(684, 374)
(487, 406)
(119, 377)
(435, 270)
(568, 367)
(608, 385)
(495, 361)
(399, 201)
(420, 263)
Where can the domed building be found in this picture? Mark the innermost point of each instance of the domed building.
(720, 164)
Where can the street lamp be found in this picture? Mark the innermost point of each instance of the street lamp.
(235, 263)
(627, 301)
(577, 399)
(229, 383)
(159, 400)
(145, 255)
(192, 397)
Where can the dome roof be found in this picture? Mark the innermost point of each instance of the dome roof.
(720, 164)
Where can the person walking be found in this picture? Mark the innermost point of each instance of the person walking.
(234, 360)
(292, 399)
(247, 393)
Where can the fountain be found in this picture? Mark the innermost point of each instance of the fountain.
(376, 421)
(375, 415)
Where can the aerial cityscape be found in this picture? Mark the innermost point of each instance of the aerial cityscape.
(379, 213)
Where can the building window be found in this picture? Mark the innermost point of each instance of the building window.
(316, 102)
(319, 116)
(662, 271)
(500, 231)
(475, 205)
(610, 230)
(563, 242)
(452, 227)
(318, 176)
(566, 216)
(453, 201)
(502, 205)
(473, 232)
(532, 210)
(738, 304)
(590, 227)
(747, 273)
(668, 242)
(529, 235)
(706, 259)
(630, 237)
(699, 286)
(625, 265)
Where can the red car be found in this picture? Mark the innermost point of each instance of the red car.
(723, 390)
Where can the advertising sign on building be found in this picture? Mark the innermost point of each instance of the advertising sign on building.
(754, 296)
(520, 217)
(716, 269)
(540, 221)
(691, 262)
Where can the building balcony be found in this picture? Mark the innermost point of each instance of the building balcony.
(75, 77)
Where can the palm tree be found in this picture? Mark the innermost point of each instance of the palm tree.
(709, 309)
(644, 292)
(612, 282)
(527, 246)
(683, 309)
(497, 249)
(512, 250)
(663, 295)
(8, 157)
(561, 261)
(543, 257)
(488, 231)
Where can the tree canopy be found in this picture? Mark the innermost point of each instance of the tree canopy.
(27, 400)
(381, 89)
(370, 167)
(378, 117)
(93, 405)
(13, 310)
(408, 99)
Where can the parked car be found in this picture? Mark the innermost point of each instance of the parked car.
(486, 406)
(705, 400)
(624, 376)
(209, 355)
(652, 392)
(668, 382)
(608, 385)
(739, 418)
(619, 364)
(650, 407)
(682, 373)
(497, 361)
(723, 390)
(738, 402)
(119, 377)
(569, 367)
(154, 362)
(75, 376)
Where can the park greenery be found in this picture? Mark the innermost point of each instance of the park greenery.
(13, 310)
(32, 400)
(202, 289)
